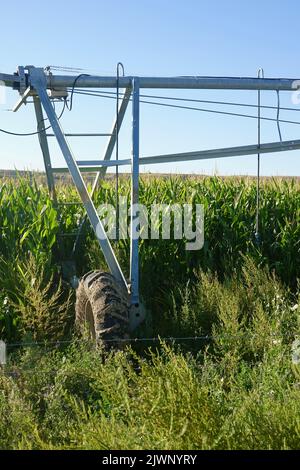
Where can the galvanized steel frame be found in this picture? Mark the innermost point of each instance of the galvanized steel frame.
(36, 82)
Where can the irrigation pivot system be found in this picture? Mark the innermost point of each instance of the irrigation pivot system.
(108, 302)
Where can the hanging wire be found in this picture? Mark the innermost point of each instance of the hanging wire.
(88, 93)
(61, 68)
(73, 88)
(120, 66)
(27, 134)
(64, 69)
(193, 100)
(260, 74)
(278, 115)
(207, 337)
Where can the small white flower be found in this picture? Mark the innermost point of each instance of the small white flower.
(294, 307)
(296, 358)
(296, 352)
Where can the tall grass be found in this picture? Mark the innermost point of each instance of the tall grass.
(234, 387)
(239, 390)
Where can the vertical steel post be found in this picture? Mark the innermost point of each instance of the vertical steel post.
(44, 146)
(134, 229)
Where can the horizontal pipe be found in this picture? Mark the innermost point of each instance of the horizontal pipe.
(9, 80)
(272, 147)
(231, 83)
(222, 153)
(82, 135)
(105, 163)
(92, 166)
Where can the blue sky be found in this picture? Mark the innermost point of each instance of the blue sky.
(223, 38)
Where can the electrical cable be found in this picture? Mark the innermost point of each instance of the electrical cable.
(278, 115)
(227, 103)
(73, 88)
(192, 108)
(27, 134)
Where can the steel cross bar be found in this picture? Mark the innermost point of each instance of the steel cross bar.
(271, 147)
(37, 80)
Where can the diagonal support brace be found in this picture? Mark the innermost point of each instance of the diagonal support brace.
(39, 83)
(44, 146)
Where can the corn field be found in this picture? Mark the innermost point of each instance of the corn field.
(235, 387)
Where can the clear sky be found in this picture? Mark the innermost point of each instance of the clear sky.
(157, 38)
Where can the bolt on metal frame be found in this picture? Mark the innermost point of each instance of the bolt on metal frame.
(36, 82)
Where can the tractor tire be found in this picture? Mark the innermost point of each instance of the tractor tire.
(102, 310)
